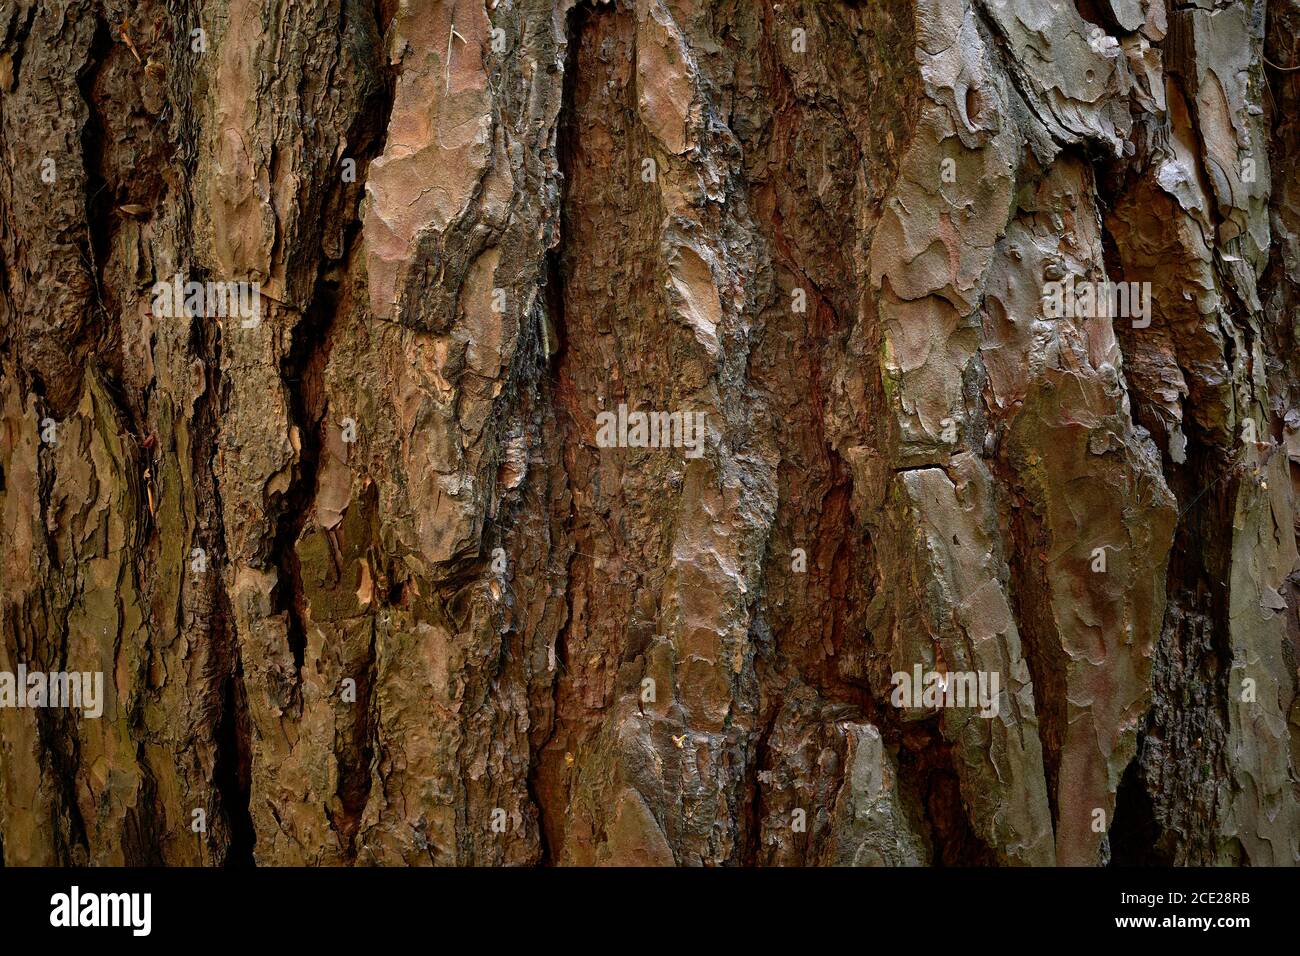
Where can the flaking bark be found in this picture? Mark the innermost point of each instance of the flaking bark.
(365, 588)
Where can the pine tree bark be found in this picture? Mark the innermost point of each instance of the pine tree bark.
(364, 585)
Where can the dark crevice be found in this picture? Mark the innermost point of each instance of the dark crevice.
(100, 194)
(354, 729)
(1181, 748)
(61, 746)
(752, 826)
(231, 736)
(927, 769)
(301, 370)
(551, 817)
(1168, 803)
(232, 775)
(355, 753)
(142, 827)
(302, 367)
(1098, 14)
(1134, 834)
(813, 620)
(17, 40)
(550, 821)
(56, 730)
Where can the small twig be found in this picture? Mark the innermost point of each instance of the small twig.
(452, 34)
(125, 36)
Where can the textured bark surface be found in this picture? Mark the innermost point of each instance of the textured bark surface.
(364, 584)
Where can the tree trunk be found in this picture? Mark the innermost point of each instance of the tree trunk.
(326, 332)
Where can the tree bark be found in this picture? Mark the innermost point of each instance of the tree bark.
(364, 580)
